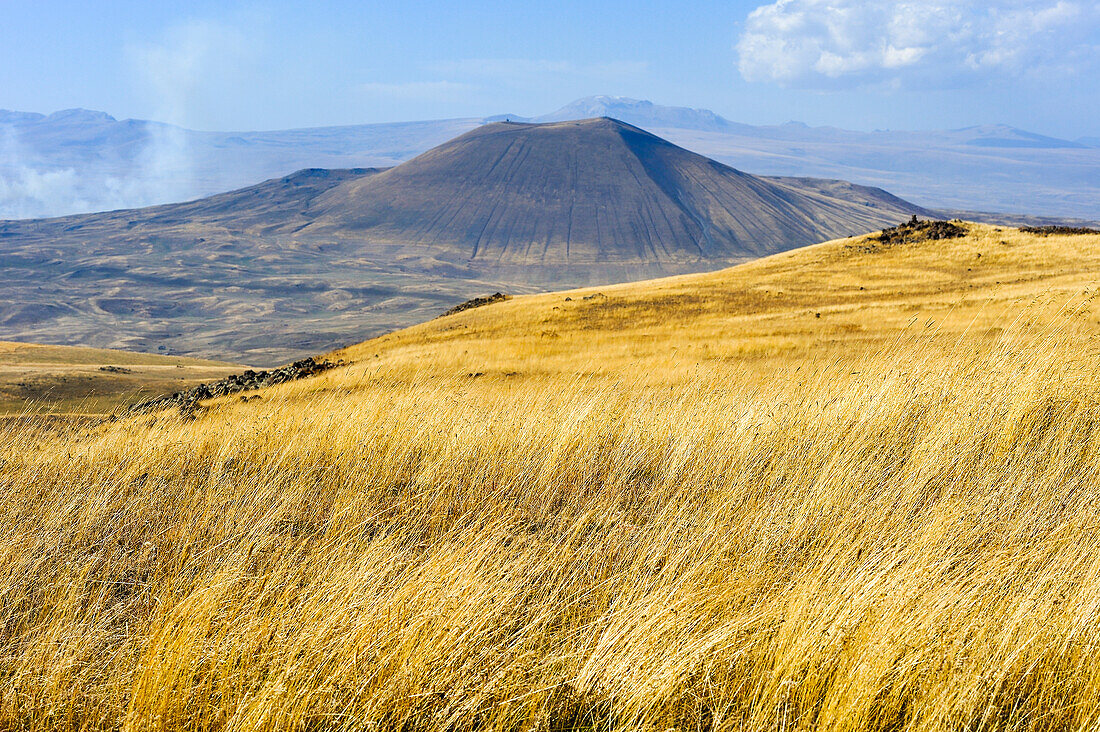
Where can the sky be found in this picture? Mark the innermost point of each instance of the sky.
(856, 64)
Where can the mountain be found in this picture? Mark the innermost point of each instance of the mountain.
(574, 194)
(79, 161)
(1003, 136)
(322, 257)
(643, 114)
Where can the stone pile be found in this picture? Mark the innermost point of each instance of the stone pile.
(247, 381)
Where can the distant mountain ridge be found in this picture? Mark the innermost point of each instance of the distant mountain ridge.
(305, 262)
(79, 160)
(1005, 136)
(641, 113)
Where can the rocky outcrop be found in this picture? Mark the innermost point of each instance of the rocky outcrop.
(1054, 230)
(247, 381)
(914, 231)
(477, 302)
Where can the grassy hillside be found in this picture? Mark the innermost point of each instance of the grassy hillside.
(91, 381)
(843, 301)
(849, 487)
(322, 258)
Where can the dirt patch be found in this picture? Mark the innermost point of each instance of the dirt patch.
(1056, 230)
(187, 400)
(477, 302)
(914, 232)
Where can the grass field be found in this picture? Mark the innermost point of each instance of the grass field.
(847, 487)
(67, 380)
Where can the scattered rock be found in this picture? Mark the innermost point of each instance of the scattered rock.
(477, 302)
(913, 232)
(188, 400)
(1053, 230)
(116, 369)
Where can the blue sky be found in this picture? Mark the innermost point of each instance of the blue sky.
(900, 64)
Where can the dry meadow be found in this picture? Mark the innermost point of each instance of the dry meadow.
(847, 487)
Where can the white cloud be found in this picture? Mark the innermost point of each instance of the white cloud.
(840, 43)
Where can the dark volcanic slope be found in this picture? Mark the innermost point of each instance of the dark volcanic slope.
(593, 191)
(299, 264)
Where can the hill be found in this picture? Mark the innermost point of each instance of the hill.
(306, 262)
(848, 486)
(587, 193)
(90, 381)
(78, 161)
(840, 301)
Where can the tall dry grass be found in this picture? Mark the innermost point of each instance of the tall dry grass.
(910, 542)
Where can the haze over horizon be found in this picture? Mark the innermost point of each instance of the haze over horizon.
(249, 76)
(279, 65)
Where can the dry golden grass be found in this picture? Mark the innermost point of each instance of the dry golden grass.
(68, 380)
(839, 300)
(687, 504)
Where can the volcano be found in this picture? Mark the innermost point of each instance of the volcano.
(299, 264)
(582, 193)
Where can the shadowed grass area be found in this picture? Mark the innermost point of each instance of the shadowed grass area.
(626, 526)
